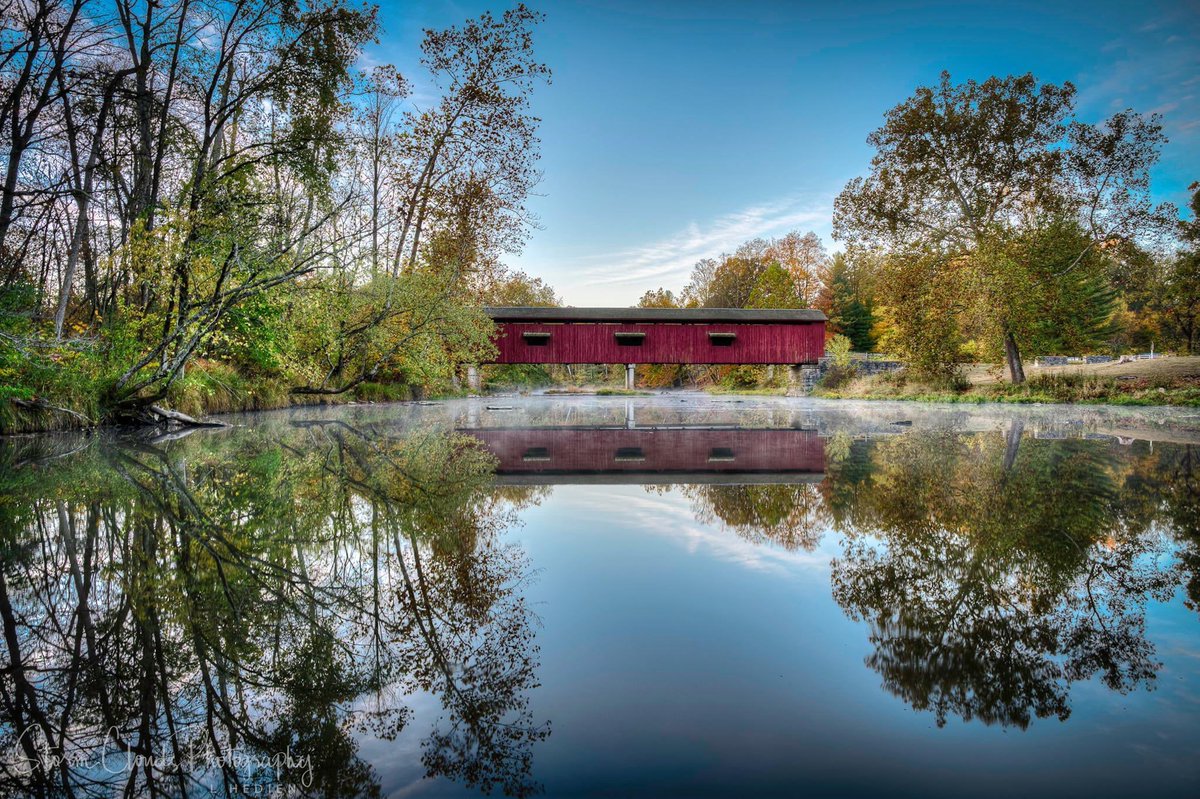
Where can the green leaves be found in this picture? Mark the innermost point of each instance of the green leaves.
(1012, 203)
(775, 288)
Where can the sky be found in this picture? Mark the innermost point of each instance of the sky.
(674, 131)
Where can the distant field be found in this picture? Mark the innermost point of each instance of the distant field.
(1181, 367)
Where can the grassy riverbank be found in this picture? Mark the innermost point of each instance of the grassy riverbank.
(766, 391)
(584, 391)
(1170, 381)
(72, 399)
(211, 387)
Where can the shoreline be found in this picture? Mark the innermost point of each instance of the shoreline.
(1141, 418)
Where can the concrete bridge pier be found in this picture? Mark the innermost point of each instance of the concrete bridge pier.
(473, 382)
(630, 377)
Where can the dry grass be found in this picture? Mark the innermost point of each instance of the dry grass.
(1170, 381)
(1159, 368)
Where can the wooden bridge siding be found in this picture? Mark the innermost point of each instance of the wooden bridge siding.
(575, 451)
(586, 342)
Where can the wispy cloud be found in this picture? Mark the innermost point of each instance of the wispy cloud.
(1150, 68)
(675, 519)
(669, 260)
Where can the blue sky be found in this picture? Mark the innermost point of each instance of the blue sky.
(674, 131)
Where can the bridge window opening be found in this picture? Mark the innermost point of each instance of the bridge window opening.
(721, 455)
(629, 338)
(722, 339)
(629, 455)
(536, 454)
(536, 338)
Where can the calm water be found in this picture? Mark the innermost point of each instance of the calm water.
(601, 597)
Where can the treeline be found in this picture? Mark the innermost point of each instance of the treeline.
(792, 271)
(993, 227)
(209, 203)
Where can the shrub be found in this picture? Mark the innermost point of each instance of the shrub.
(839, 350)
(837, 376)
(744, 377)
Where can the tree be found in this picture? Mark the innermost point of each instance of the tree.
(849, 306)
(36, 47)
(733, 281)
(775, 288)
(1178, 302)
(1177, 294)
(658, 298)
(804, 257)
(921, 299)
(461, 172)
(695, 293)
(183, 177)
(969, 173)
(519, 289)
(473, 152)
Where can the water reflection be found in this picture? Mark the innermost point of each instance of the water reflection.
(995, 571)
(725, 454)
(228, 614)
(243, 611)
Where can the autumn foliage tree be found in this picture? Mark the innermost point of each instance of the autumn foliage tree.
(972, 179)
(216, 183)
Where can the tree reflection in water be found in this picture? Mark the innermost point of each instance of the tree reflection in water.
(226, 598)
(222, 600)
(995, 571)
(790, 515)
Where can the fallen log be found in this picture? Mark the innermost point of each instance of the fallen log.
(181, 419)
(148, 414)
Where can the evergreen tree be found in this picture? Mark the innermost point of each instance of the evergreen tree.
(851, 311)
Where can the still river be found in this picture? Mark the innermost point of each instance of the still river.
(676, 595)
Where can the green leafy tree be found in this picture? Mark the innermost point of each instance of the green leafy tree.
(1179, 301)
(733, 281)
(922, 301)
(1177, 292)
(967, 175)
(775, 288)
(519, 289)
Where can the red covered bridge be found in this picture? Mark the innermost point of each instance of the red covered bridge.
(658, 335)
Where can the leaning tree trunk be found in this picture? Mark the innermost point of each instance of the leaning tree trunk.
(1012, 354)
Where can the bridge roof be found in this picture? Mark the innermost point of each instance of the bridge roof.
(676, 315)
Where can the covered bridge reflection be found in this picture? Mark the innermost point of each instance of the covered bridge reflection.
(676, 454)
